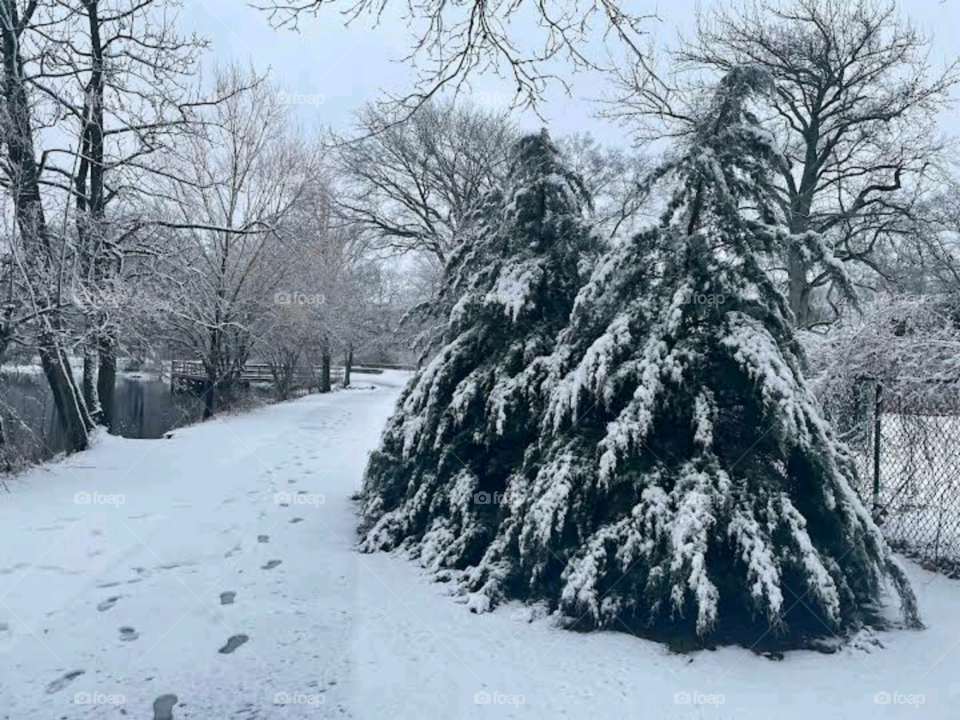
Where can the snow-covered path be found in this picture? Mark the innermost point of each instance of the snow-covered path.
(201, 585)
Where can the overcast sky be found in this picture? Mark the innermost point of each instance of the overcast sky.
(343, 67)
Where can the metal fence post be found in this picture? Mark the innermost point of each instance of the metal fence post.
(877, 416)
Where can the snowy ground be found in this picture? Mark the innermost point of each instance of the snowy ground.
(99, 600)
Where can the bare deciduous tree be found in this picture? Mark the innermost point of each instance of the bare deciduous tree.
(854, 108)
(615, 179)
(235, 183)
(408, 185)
(452, 42)
(116, 78)
(38, 251)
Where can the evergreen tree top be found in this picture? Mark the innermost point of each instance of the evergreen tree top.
(525, 246)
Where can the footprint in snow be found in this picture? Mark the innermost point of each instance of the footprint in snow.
(18, 566)
(271, 564)
(226, 598)
(59, 570)
(297, 519)
(61, 682)
(163, 707)
(176, 564)
(128, 634)
(108, 603)
(233, 642)
(263, 538)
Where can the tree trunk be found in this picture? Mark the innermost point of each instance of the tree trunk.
(798, 294)
(209, 397)
(74, 419)
(325, 372)
(347, 367)
(89, 386)
(107, 381)
(103, 260)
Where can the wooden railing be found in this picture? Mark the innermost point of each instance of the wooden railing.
(377, 367)
(252, 372)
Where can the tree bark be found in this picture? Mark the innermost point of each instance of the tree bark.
(325, 372)
(74, 419)
(347, 367)
(107, 381)
(798, 290)
(798, 293)
(209, 397)
(89, 385)
(91, 221)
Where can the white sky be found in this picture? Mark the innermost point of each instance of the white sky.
(347, 66)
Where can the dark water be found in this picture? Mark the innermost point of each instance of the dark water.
(144, 408)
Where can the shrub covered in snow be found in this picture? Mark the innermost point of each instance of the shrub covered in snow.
(909, 344)
(458, 432)
(681, 481)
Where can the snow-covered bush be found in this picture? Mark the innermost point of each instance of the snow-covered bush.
(909, 344)
(508, 291)
(682, 482)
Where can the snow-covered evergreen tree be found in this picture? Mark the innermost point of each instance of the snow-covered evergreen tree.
(686, 485)
(435, 482)
(666, 467)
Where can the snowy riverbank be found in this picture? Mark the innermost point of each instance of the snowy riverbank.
(178, 590)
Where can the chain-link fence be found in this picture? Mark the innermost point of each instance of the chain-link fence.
(909, 456)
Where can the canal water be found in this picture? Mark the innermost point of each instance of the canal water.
(144, 408)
